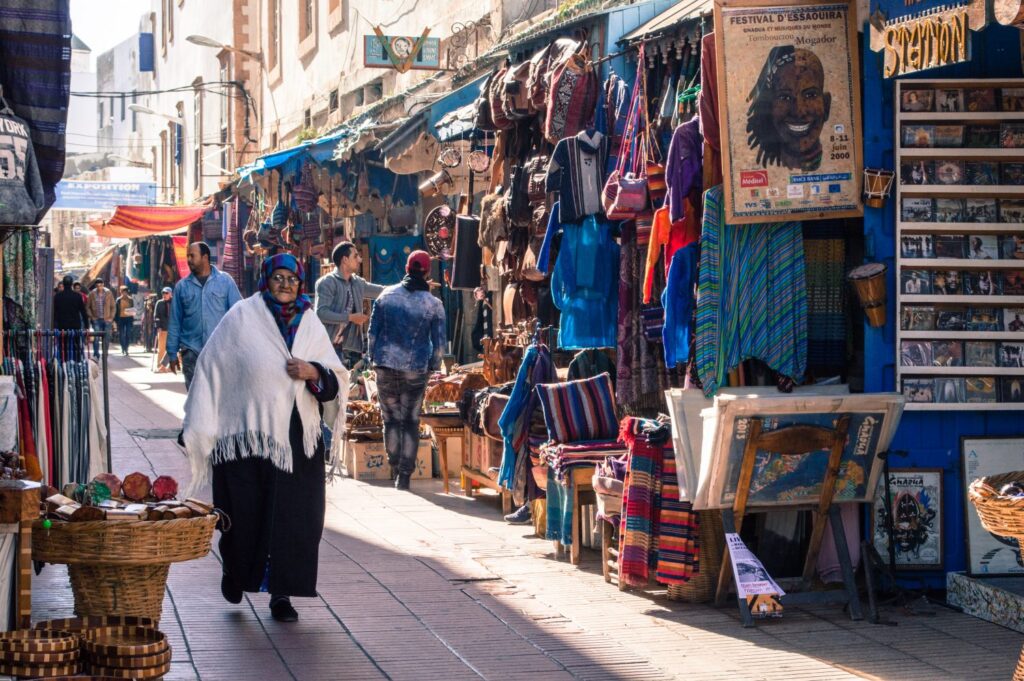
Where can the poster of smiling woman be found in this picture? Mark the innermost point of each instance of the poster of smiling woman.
(790, 110)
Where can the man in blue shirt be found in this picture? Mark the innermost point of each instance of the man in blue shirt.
(197, 305)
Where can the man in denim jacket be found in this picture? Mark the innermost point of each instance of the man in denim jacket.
(407, 340)
(198, 303)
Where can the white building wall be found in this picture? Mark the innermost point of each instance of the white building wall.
(117, 73)
(82, 121)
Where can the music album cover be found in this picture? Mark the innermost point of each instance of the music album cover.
(949, 172)
(1011, 172)
(1013, 283)
(918, 136)
(919, 389)
(980, 99)
(946, 283)
(947, 353)
(913, 100)
(983, 319)
(981, 172)
(980, 388)
(1011, 388)
(981, 283)
(980, 210)
(981, 136)
(1013, 319)
(917, 246)
(1011, 99)
(950, 245)
(1011, 246)
(915, 282)
(949, 100)
(1011, 210)
(1011, 355)
(949, 390)
(949, 136)
(918, 210)
(979, 354)
(982, 247)
(914, 353)
(949, 210)
(918, 318)
(919, 172)
(1011, 135)
(951, 320)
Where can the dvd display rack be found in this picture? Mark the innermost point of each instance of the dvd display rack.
(960, 243)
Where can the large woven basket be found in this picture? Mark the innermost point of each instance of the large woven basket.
(143, 542)
(701, 588)
(136, 590)
(999, 514)
(1018, 673)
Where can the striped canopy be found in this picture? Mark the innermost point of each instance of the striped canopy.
(132, 222)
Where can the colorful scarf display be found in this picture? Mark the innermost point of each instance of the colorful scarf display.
(286, 315)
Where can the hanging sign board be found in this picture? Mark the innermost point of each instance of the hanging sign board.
(789, 103)
(932, 37)
(91, 196)
(401, 52)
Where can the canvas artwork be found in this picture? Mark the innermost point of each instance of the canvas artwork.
(918, 210)
(982, 136)
(983, 319)
(949, 390)
(949, 136)
(949, 172)
(988, 554)
(915, 282)
(980, 99)
(983, 247)
(981, 172)
(980, 210)
(949, 210)
(1011, 210)
(980, 353)
(912, 517)
(947, 353)
(915, 353)
(1011, 99)
(981, 283)
(949, 100)
(1011, 355)
(914, 100)
(946, 283)
(917, 172)
(918, 318)
(1013, 282)
(950, 246)
(919, 389)
(1011, 173)
(951, 320)
(917, 246)
(1011, 246)
(918, 136)
(980, 389)
(1011, 135)
(1013, 319)
(1011, 388)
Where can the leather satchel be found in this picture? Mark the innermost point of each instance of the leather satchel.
(495, 405)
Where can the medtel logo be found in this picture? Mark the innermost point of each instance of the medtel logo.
(754, 178)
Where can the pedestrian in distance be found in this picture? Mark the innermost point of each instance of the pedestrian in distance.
(161, 318)
(69, 313)
(253, 426)
(407, 342)
(125, 319)
(339, 303)
(101, 308)
(199, 302)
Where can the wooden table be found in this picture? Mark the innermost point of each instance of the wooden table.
(582, 486)
(444, 425)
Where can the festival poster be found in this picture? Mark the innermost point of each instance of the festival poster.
(915, 507)
(790, 111)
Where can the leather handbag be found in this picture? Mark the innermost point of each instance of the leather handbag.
(493, 408)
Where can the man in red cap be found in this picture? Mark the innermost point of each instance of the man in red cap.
(407, 340)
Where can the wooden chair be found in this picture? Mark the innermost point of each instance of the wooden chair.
(800, 439)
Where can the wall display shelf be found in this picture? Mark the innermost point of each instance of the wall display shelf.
(960, 239)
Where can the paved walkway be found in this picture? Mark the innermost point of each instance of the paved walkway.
(428, 586)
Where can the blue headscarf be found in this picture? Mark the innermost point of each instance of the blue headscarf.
(287, 315)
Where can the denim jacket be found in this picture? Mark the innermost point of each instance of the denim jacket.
(407, 330)
(196, 310)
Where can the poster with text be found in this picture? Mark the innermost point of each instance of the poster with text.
(790, 111)
(987, 553)
(915, 507)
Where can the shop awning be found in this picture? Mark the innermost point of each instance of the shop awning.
(97, 266)
(427, 118)
(290, 160)
(457, 125)
(669, 19)
(133, 222)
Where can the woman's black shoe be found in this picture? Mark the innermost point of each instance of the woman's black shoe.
(281, 609)
(231, 592)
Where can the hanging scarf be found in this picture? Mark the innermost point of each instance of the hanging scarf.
(286, 315)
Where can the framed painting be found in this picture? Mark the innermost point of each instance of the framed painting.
(915, 507)
(789, 105)
(988, 554)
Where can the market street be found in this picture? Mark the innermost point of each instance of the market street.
(427, 586)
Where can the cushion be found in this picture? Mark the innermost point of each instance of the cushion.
(579, 410)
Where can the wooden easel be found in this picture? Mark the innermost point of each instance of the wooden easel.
(800, 439)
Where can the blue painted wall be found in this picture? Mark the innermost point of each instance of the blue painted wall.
(932, 439)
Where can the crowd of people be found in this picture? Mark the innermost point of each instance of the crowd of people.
(261, 375)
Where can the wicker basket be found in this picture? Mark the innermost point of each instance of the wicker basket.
(701, 588)
(999, 514)
(142, 542)
(1018, 673)
(119, 589)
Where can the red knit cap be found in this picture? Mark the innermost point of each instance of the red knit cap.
(418, 261)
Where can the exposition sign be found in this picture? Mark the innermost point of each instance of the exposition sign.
(92, 196)
(790, 110)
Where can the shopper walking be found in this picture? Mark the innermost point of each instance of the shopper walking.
(339, 303)
(200, 301)
(253, 422)
(407, 341)
(161, 319)
(69, 313)
(101, 307)
(125, 318)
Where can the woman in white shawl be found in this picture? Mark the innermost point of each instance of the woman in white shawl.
(253, 424)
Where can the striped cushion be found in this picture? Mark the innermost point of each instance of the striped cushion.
(579, 410)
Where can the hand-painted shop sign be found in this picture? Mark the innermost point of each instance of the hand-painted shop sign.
(926, 40)
(401, 52)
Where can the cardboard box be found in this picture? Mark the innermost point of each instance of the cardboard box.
(484, 453)
(369, 461)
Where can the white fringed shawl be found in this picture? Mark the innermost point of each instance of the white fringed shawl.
(241, 398)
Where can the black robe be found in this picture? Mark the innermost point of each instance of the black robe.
(276, 517)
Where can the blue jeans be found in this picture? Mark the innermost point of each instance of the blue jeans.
(101, 327)
(401, 397)
(124, 333)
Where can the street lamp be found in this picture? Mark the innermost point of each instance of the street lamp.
(210, 42)
(139, 108)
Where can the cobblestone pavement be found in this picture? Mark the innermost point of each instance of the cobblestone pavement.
(428, 586)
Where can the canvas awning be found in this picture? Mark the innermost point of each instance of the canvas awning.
(97, 266)
(133, 222)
